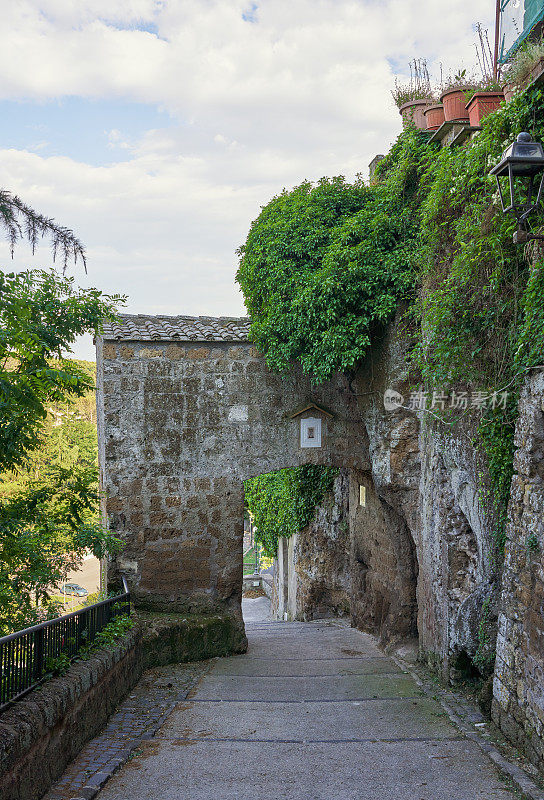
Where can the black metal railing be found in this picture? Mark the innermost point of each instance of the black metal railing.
(27, 656)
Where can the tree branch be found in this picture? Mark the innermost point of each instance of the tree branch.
(22, 222)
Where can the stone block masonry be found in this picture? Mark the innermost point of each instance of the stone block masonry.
(518, 705)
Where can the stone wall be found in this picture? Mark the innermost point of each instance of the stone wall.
(322, 560)
(518, 705)
(424, 520)
(181, 426)
(42, 733)
(384, 566)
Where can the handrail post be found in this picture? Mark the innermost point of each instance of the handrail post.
(39, 653)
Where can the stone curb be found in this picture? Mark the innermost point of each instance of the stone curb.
(520, 778)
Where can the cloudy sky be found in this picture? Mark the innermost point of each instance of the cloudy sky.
(157, 128)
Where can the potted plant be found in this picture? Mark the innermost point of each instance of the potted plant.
(526, 65)
(484, 101)
(434, 116)
(458, 89)
(488, 93)
(412, 99)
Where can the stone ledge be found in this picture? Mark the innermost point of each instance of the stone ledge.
(176, 638)
(43, 732)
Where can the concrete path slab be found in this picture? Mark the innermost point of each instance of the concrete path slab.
(318, 642)
(288, 721)
(355, 721)
(284, 771)
(246, 666)
(256, 609)
(302, 689)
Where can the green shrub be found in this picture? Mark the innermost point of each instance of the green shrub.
(324, 266)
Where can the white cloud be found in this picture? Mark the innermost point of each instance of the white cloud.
(301, 92)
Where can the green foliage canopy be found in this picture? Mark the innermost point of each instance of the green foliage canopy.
(41, 315)
(49, 486)
(45, 528)
(324, 267)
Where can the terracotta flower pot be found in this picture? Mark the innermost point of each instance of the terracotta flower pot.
(454, 102)
(481, 104)
(412, 113)
(434, 116)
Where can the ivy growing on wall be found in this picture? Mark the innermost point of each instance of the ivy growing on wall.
(324, 268)
(481, 308)
(283, 502)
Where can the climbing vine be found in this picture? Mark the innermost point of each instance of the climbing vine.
(481, 307)
(283, 502)
(484, 657)
(325, 267)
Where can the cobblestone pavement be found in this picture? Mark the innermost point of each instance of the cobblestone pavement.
(135, 721)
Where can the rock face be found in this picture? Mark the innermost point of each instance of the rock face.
(384, 566)
(518, 705)
(312, 575)
(428, 559)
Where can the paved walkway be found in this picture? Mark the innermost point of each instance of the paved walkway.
(136, 720)
(256, 609)
(313, 711)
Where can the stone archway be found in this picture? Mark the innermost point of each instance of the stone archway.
(310, 577)
(187, 411)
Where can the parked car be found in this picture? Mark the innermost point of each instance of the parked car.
(74, 589)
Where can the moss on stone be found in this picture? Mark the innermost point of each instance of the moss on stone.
(178, 638)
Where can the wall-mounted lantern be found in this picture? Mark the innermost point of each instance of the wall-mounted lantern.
(522, 165)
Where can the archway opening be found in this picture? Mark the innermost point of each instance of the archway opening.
(297, 530)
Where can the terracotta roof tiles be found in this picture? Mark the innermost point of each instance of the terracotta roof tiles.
(145, 328)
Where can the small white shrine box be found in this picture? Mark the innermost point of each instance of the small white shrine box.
(313, 429)
(310, 432)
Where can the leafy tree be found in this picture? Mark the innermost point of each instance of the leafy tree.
(41, 315)
(68, 439)
(324, 267)
(49, 488)
(45, 528)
